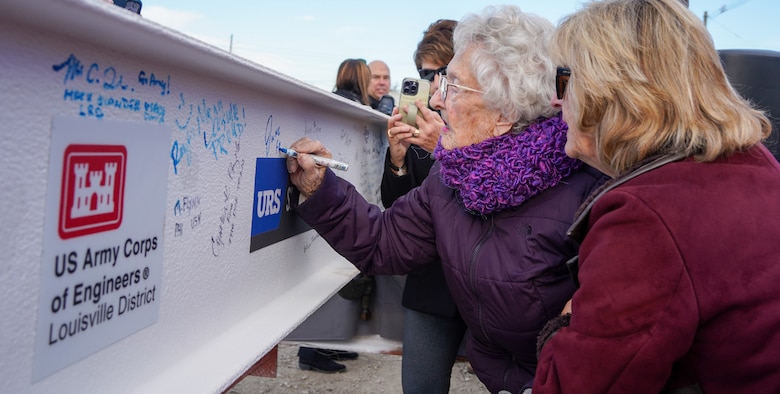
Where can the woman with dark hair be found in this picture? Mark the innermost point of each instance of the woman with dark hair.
(352, 80)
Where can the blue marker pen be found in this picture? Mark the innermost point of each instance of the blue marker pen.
(323, 161)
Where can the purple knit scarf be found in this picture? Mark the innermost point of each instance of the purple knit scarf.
(505, 171)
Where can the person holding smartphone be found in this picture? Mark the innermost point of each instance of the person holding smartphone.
(408, 159)
(433, 328)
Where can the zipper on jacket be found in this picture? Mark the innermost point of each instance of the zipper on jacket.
(472, 280)
(509, 368)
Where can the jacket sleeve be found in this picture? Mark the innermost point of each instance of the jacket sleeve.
(394, 241)
(635, 312)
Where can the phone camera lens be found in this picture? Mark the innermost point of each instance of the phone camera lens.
(410, 87)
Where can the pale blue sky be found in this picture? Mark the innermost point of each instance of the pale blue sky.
(308, 40)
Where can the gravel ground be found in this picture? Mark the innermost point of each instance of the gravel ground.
(370, 373)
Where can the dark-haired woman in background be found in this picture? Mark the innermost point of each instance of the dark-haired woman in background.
(352, 80)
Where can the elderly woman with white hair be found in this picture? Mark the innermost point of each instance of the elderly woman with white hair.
(496, 206)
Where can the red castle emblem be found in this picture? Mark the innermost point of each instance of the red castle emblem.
(92, 195)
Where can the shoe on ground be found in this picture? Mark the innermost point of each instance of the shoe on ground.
(309, 359)
(338, 355)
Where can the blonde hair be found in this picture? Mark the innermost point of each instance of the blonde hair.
(646, 79)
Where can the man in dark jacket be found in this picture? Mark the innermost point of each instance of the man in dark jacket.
(379, 88)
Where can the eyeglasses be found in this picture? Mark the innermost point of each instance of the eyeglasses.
(562, 75)
(429, 74)
(444, 85)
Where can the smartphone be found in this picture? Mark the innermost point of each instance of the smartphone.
(411, 90)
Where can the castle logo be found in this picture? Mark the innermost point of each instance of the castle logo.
(93, 188)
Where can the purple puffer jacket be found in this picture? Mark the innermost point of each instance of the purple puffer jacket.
(506, 271)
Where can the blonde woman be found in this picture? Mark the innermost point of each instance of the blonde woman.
(680, 261)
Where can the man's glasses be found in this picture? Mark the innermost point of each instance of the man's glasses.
(444, 85)
(562, 75)
(429, 74)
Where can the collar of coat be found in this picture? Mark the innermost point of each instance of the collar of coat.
(579, 228)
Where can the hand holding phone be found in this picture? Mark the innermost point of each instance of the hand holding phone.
(411, 90)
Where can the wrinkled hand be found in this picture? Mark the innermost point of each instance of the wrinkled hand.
(305, 174)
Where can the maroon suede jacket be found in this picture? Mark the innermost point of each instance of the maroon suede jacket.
(506, 271)
(680, 283)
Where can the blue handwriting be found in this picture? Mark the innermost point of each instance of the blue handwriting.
(152, 80)
(92, 104)
(271, 137)
(218, 125)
